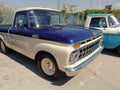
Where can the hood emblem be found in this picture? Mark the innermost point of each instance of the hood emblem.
(94, 33)
(35, 36)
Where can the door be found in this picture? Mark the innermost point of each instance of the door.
(19, 33)
(101, 24)
(112, 37)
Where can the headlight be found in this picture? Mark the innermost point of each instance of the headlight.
(74, 57)
(101, 41)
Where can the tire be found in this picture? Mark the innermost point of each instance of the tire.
(48, 67)
(3, 47)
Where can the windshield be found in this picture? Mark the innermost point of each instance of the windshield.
(39, 18)
(113, 21)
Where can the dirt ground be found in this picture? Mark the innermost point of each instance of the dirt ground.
(18, 72)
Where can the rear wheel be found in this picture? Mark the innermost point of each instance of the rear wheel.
(118, 49)
(48, 67)
(3, 47)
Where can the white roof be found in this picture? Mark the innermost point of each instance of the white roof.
(31, 8)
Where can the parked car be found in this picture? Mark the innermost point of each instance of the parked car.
(109, 25)
(42, 35)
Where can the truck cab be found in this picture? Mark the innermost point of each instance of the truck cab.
(109, 25)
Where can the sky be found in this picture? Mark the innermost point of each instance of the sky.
(80, 4)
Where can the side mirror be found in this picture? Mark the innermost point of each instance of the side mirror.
(21, 24)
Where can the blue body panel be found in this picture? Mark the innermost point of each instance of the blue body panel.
(111, 41)
(62, 34)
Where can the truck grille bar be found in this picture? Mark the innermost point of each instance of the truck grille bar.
(83, 42)
(85, 51)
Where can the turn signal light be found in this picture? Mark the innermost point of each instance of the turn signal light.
(76, 46)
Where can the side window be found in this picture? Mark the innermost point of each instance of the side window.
(21, 20)
(111, 22)
(98, 22)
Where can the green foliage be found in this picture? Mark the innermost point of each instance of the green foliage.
(1, 16)
(94, 11)
(116, 12)
(80, 17)
(8, 17)
(64, 14)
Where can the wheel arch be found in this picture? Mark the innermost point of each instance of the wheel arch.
(118, 49)
(1, 38)
(40, 53)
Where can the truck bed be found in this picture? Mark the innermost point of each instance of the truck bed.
(4, 27)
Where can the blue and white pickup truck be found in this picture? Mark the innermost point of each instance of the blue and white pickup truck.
(59, 49)
(109, 25)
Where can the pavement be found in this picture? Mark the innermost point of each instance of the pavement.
(18, 72)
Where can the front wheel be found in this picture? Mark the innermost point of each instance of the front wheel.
(48, 67)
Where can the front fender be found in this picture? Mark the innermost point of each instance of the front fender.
(60, 53)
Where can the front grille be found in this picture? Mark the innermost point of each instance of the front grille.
(88, 40)
(86, 50)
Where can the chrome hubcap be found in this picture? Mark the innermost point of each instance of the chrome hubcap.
(48, 66)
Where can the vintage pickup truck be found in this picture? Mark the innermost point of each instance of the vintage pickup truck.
(110, 27)
(42, 35)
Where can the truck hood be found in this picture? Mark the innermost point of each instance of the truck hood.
(66, 34)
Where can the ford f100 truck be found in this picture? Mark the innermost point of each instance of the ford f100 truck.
(42, 35)
(110, 27)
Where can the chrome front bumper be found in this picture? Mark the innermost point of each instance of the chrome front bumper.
(72, 70)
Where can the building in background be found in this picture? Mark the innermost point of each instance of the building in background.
(109, 7)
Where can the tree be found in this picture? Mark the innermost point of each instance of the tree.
(95, 11)
(1, 15)
(116, 12)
